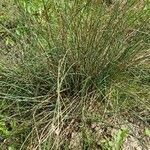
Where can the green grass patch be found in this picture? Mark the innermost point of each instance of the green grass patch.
(67, 64)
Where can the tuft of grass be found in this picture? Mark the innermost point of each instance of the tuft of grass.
(61, 57)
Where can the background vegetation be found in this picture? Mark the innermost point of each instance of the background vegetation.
(74, 74)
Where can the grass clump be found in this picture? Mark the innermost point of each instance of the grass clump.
(71, 63)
